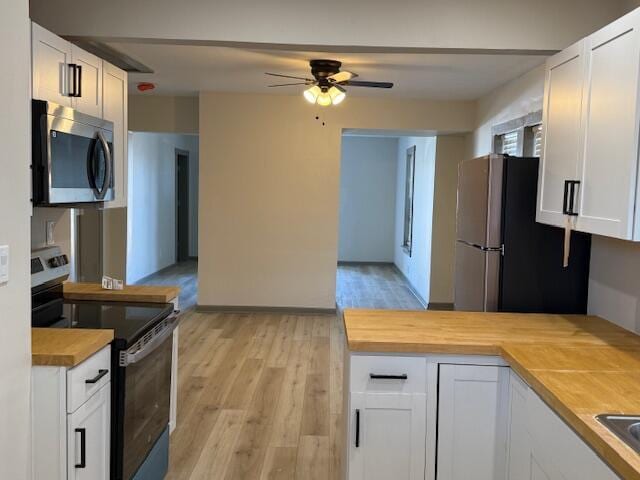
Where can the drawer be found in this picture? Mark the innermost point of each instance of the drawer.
(87, 378)
(380, 373)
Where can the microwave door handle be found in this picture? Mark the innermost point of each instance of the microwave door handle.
(100, 192)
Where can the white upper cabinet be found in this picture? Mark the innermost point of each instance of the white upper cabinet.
(51, 56)
(472, 422)
(611, 128)
(562, 135)
(114, 101)
(87, 69)
(591, 131)
(65, 74)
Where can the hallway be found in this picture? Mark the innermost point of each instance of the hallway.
(374, 286)
(182, 274)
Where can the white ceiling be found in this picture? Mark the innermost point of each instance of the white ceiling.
(188, 69)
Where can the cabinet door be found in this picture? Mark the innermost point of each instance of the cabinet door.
(387, 435)
(89, 78)
(50, 58)
(114, 103)
(561, 131)
(519, 448)
(611, 125)
(472, 422)
(88, 438)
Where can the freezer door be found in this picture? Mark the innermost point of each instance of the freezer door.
(477, 279)
(478, 219)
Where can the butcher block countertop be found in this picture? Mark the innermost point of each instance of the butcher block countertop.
(66, 347)
(580, 365)
(130, 293)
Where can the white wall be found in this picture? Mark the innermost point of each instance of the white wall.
(510, 101)
(450, 150)
(367, 199)
(152, 196)
(269, 190)
(15, 311)
(417, 267)
(163, 114)
(513, 24)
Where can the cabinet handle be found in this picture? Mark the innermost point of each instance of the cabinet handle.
(357, 427)
(568, 199)
(72, 72)
(79, 70)
(101, 373)
(379, 376)
(83, 448)
(76, 80)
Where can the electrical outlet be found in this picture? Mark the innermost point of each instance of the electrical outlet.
(4, 264)
(51, 226)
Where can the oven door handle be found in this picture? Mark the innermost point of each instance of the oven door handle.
(149, 342)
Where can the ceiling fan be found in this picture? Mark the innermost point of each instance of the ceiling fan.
(328, 82)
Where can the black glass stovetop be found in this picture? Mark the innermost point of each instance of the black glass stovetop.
(129, 321)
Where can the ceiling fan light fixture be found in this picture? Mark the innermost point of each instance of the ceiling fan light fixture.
(324, 99)
(337, 94)
(311, 94)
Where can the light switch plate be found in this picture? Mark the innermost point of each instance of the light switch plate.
(4, 264)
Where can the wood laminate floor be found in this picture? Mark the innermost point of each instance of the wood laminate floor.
(374, 286)
(260, 397)
(182, 274)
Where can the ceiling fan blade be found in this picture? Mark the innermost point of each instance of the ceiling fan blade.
(342, 76)
(359, 83)
(289, 84)
(289, 76)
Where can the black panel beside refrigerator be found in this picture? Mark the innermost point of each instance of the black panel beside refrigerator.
(524, 272)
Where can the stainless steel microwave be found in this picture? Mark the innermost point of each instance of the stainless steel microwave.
(72, 156)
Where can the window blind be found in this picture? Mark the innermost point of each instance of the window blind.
(537, 140)
(510, 143)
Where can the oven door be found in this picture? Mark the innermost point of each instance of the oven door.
(79, 162)
(147, 393)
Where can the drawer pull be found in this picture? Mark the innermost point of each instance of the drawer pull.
(378, 376)
(101, 373)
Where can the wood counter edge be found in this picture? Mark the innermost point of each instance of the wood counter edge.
(53, 357)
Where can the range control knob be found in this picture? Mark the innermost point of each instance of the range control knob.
(59, 261)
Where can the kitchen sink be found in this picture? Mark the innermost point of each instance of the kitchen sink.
(626, 427)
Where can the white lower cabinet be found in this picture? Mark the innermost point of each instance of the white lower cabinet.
(542, 446)
(71, 420)
(472, 422)
(88, 438)
(388, 432)
(444, 417)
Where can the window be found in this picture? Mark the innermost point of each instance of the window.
(536, 144)
(408, 199)
(509, 143)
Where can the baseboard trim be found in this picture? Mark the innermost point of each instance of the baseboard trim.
(264, 309)
(347, 263)
(146, 278)
(440, 306)
(411, 289)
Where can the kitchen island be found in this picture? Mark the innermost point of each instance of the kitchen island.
(580, 366)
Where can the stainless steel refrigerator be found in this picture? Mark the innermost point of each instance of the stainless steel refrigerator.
(505, 261)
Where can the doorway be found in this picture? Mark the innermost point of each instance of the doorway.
(182, 205)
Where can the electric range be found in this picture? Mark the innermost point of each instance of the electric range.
(141, 363)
